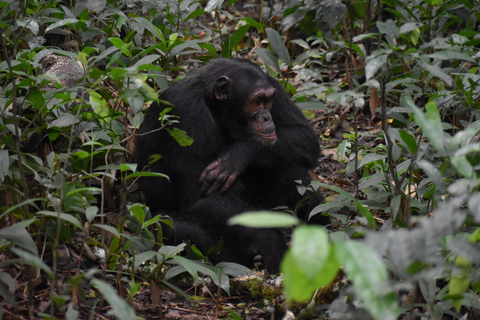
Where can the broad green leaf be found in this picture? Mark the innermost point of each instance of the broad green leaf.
(4, 164)
(300, 287)
(367, 214)
(395, 205)
(63, 216)
(459, 281)
(410, 26)
(374, 64)
(463, 166)
(19, 236)
(269, 58)
(66, 120)
(99, 104)
(60, 23)
(389, 29)
(32, 260)
(264, 219)
(180, 136)
(189, 266)
(150, 27)
(371, 157)
(122, 46)
(429, 121)
(436, 72)
(110, 229)
(329, 13)
(138, 212)
(168, 252)
(120, 309)
(238, 35)
(142, 257)
(409, 140)
(91, 213)
(30, 202)
(452, 55)
(310, 249)
(368, 274)
(7, 288)
(124, 167)
(96, 5)
(71, 314)
(277, 44)
(147, 60)
(213, 5)
(154, 220)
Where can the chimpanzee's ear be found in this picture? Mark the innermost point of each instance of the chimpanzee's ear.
(222, 88)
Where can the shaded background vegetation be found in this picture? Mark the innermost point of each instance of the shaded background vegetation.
(392, 88)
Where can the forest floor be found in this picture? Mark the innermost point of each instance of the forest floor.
(256, 296)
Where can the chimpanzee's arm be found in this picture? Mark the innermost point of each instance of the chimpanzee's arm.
(222, 173)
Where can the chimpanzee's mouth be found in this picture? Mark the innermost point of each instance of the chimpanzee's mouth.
(268, 138)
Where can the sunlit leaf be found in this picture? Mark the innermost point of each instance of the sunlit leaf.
(264, 219)
(368, 274)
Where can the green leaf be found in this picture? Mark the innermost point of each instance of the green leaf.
(92, 190)
(18, 205)
(429, 121)
(71, 314)
(389, 29)
(142, 257)
(264, 219)
(91, 213)
(459, 281)
(300, 287)
(170, 251)
(4, 164)
(150, 27)
(213, 5)
(120, 309)
(409, 141)
(155, 219)
(278, 46)
(110, 229)
(188, 265)
(66, 120)
(374, 64)
(366, 213)
(32, 260)
(146, 174)
(368, 274)
(434, 174)
(60, 24)
(463, 166)
(63, 216)
(138, 212)
(147, 60)
(7, 288)
(269, 58)
(436, 72)
(310, 249)
(181, 136)
(19, 236)
(120, 45)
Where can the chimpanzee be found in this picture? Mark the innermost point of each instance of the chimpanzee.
(251, 145)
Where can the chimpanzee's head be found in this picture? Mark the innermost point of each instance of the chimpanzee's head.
(246, 95)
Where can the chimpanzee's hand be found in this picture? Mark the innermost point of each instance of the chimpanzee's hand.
(220, 174)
